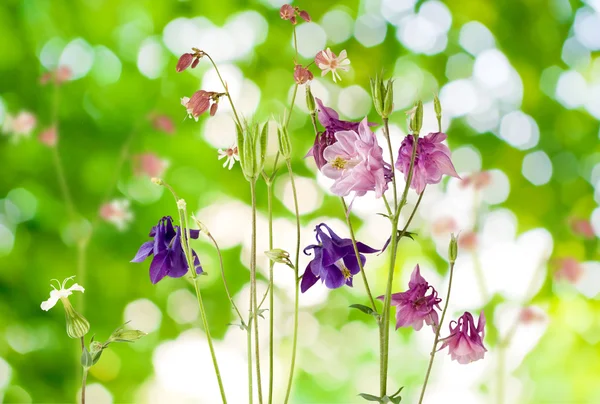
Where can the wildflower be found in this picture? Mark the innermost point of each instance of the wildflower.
(58, 76)
(356, 163)
(415, 306)
(444, 225)
(117, 212)
(21, 125)
(200, 103)
(327, 61)
(569, 269)
(431, 161)
(184, 62)
(77, 325)
(302, 75)
(329, 119)
(529, 315)
(149, 164)
(286, 12)
(162, 123)
(49, 137)
(169, 257)
(478, 180)
(465, 342)
(468, 241)
(304, 15)
(582, 227)
(232, 156)
(334, 262)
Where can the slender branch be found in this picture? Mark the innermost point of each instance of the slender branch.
(297, 284)
(253, 299)
(387, 206)
(237, 118)
(437, 334)
(357, 253)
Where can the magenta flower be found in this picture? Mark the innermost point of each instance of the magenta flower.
(431, 162)
(415, 306)
(465, 341)
(356, 163)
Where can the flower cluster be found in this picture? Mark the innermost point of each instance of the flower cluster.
(201, 102)
(189, 60)
(287, 12)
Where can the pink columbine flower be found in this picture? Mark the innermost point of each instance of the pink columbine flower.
(415, 306)
(355, 162)
(582, 227)
(327, 61)
(49, 137)
(231, 156)
(149, 164)
(117, 212)
(21, 125)
(302, 75)
(431, 162)
(465, 342)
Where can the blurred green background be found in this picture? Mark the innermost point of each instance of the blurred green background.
(520, 86)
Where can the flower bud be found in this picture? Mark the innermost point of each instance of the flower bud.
(416, 122)
(157, 181)
(376, 88)
(285, 145)
(184, 62)
(201, 226)
(304, 15)
(122, 335)
(388, 99)
(195, 62)
(213, 108)
(181, 204)
(77, 325)
(96, 349)
(453, 248)
(279, 256)
(252, 148)
(310, 101)
(293, 20)
(437, 106)
(87, 360)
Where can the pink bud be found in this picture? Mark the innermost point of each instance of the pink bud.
(63, 73)
(163, 123)
(293, 20)
(304, 15)
(195, 62)
(582, 227)
(302, 75)
(213, 108)
(49, 137)
(286, 12)
(184, 62)
(199, 103)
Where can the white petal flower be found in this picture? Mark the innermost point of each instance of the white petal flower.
(61, 293)
(232, 156)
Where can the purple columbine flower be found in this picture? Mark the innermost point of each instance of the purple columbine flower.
(415, 306)
(431, 162)
(169, 258)
(334, 262)
(465, 342)
(329, 119)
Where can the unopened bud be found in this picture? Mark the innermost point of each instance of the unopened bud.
(388, 100)
(213, 108)
(181, 204)
(285, 144)
(279, 256)
(416, 122)
(184, 62)
(376, 94)
(437, 106)
(195, 62)
(304, 15)
(126, 335)
(310, 101)
(453, 248)
(157, 181)
(77, 325)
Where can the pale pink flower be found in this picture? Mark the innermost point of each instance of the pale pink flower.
(327, 61)
(162, 123)
(49, 137)
(356, 163)
(582, 227)
(149, 164)
(21, 125)
(468, 241)
(569, 269)
(200, 102)
(231, 155)
(444, 225)
(465, 342)
(117, 212)
(478, 180)
(529, 315)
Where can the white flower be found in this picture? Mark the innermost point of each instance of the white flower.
(117, 212)
(327, 61)
(21, 125)
(232, 156)
(61, 293)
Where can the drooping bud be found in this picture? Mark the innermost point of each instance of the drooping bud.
(184, 62)
(77, 325)
(310, 101)
(201, 226)
(302, 75)
(304, 15)
(123, 335)
(195, 62)
(293, 20)
(453, 248)
(285, 144)
(213, 108)
(279, 256)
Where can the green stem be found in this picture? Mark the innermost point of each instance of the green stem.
(287, 121)
(253, 299)
(297, 285)
(237, 118)
(357, 253)
(384, 338)
(295, 43)
(386, 132)
(83, 384)
(437, 335)
(271, 294)
(249, 360)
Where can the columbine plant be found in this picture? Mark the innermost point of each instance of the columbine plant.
(350, 155)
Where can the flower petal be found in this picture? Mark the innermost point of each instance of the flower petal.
(144, 252)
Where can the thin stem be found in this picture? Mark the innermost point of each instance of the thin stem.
(253, 299)
(313, 119)
(357, 253)
(81, 272)
(237, 118)
(249, 360)
(387, 206)
(210, 236)
(83, 384)
(297, 285)
(287, 121)
(295, 43)
(384, 338)
(271, 294)
(62, 182)
(437, 335)
(386, 132)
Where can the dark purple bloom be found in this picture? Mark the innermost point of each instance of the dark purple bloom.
(334, 262)
(329, 119)
(431, 162)
(465, 342)
(415, 306)
(169, 258)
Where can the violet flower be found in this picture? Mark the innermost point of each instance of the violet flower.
(431, 162)
(415, 306)
(169, 257)
(356, 163)
(334, 262)
(465, 342)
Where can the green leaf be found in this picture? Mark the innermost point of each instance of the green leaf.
(397, 392)
(396, 400)
(86, 358)
(365, 309)
(370, 397)
(242, 326)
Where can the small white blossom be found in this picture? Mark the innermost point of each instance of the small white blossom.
(232, 156)
(117, 212)
(61, 293)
